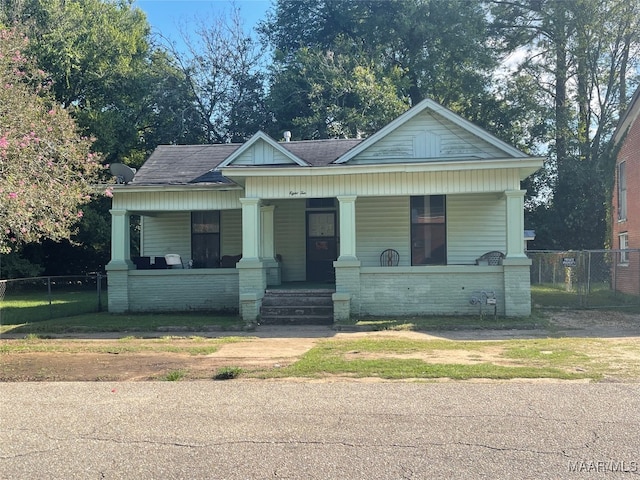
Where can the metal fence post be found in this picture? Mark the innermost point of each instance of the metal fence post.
(49, 295)
(99, 288)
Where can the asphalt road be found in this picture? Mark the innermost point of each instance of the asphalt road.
(302, 430)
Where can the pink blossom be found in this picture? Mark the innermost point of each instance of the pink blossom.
(4, 143)
(108, 193)
(80, 213)
(13, 195)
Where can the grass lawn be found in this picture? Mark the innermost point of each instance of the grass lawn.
(566, 359)
(108, 322)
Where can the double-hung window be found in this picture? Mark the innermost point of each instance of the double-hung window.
(624, 246)
(428, 230)
(622, 191)
(205, 239)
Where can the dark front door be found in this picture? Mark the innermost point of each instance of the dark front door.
(322, 246)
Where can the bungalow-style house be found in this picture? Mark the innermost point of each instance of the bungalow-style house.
(626, 203)
(395, 224)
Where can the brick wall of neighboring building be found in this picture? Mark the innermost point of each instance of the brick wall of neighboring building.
(629, 272)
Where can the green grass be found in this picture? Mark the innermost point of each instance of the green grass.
(22, 307)
(378, 358)
(599, 296)
(443, 323)
(177, 345)
(107, 322)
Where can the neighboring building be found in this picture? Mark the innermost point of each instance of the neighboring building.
(626, 201)
(431, 186)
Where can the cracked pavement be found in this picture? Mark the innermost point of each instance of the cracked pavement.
(342, 430)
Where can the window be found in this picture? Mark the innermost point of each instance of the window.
(624, 245)
(622, 191)
(428, 230)
(205, 239)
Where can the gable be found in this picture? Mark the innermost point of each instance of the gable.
(428, 137)
(262, 153)
(261, 150)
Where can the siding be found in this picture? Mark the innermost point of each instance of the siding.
(262, 154)
(230, 232)
(475, 225)
(289, 219)
(384, 184)
(428, 136)
(167, 233)
(382, 223)
(177, 201)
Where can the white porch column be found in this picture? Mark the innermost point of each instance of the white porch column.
(268, 242)
(268, 255)
(252, 276)
(515, 223)
(120, 264)
(346, 300)
(516, 265)
(347, 227)
(251, 231)
(120, 240)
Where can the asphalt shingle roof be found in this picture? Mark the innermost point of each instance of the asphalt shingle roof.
(184, 164)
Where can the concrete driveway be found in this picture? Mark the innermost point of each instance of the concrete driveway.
(341, 430)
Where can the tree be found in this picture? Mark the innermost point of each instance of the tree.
(46, 166)
(327, 95)
(437, 49)
(582, 54)
(222, 69)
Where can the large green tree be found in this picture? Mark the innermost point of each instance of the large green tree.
(427, 48)
(583, 55)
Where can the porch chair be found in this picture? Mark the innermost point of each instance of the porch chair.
(389, 258)
(490, 258)
(173, 260)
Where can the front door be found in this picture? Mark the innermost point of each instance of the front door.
(322, 246)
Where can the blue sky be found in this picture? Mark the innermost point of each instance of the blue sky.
(166, 16)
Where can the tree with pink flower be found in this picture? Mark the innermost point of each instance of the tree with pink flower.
(46, 166)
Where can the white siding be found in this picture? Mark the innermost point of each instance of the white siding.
(475, 225)
(167, 233)
(382, 223)
(230, 232)
(384, 184)
(428, 136)
(290, 235)
(262, 154)
(177, 201)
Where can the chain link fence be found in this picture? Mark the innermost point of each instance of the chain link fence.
(36, 299)
(586, 278)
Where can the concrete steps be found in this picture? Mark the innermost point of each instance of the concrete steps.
(297, 307)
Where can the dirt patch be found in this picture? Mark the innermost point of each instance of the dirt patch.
(276, 347)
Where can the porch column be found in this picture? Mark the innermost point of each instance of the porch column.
(347, 227)
(268, 245)
(120, 240)
(120, 264)
(250, 228)
(251, 272)
(516, 265)
(346, 300)
(515, 223)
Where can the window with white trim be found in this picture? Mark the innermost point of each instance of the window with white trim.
(205, 239)
(622, 191)
(428, 230)
(623, 239)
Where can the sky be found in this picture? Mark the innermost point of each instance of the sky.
(166, 16)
